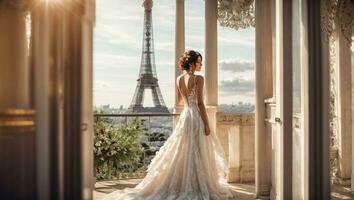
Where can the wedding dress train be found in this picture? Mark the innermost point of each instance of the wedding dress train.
(189, 166)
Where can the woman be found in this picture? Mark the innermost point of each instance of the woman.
(191, 164)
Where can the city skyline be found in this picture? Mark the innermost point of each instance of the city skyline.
(118, 45)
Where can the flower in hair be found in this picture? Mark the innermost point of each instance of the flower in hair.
(181, 63)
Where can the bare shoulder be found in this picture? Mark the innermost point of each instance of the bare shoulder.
(179, 77)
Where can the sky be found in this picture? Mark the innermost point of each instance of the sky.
(118, 36)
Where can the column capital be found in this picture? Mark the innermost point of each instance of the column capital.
(237, 14)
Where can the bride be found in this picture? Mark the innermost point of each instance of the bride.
(191, 164)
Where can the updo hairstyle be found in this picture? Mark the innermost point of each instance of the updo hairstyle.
(189, 57)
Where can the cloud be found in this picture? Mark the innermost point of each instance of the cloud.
(165, 63)
(236, 41)
(99, 86)
(236, 65)
(194, 19)
(237, 85)
(195, 37)
(114, 35)
(109, 60)
(231, 37)
(165, 46)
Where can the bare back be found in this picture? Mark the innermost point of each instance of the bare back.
(193, 85)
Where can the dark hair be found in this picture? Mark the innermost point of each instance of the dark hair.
(189, 57)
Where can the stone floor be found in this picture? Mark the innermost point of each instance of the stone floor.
(244, 191)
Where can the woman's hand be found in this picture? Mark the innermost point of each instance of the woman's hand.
(207, 130)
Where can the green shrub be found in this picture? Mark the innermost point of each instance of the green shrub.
(117, 150)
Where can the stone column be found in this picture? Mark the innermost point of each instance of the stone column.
(88, 179)
(344, 112)
(211, 61)
(264, 90)
(17, 118)
(179, 50)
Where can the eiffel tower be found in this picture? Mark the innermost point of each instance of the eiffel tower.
(147, 75)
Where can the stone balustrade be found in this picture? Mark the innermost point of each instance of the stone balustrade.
(236, 134)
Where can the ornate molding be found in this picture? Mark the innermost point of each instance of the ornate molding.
(243, 119)
(337, 14)
(328, 8)
(236, 14)
(337, 17)
(345, 17)
(17, 118)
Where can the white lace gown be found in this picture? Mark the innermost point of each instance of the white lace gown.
(189, 166)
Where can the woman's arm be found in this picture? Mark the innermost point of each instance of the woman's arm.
(201, 105)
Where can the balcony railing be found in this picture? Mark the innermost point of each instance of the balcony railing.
(157, 127)
(140, 115)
